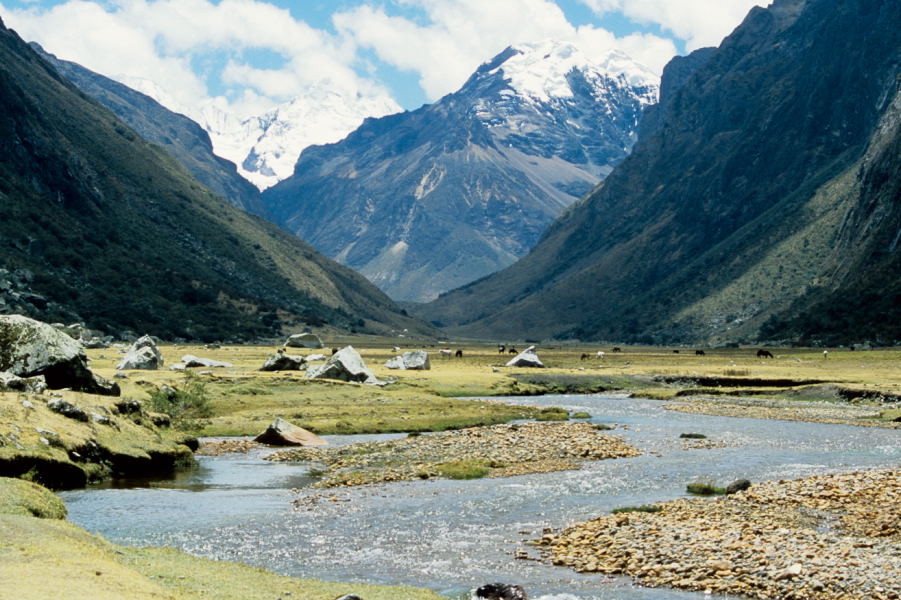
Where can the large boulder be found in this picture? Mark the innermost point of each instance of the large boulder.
(142, 355)
(189, 360)
(417, 360)
(29, 348)
(14, 383)
(304, 340)
(344, 365)
(284, 362)
(283, 433)
(526, 358)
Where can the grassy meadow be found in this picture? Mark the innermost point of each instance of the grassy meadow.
(243, 400)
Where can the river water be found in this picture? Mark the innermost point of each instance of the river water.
(452, 536)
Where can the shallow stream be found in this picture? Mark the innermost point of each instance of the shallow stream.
(452, 536)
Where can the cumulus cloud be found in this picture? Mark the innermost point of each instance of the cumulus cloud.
(455, 36)
(169, 42)
(699, 22)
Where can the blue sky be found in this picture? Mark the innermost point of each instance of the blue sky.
(249, 55)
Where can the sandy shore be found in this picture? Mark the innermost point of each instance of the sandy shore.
(501, 450)
(824, 538)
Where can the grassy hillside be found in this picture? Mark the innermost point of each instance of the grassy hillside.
(104, 227)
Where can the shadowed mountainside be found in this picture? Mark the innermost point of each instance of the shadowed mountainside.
(101, 226)
(764, 193)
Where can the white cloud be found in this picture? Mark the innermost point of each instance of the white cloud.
(699, 22)
(458, 35)
(164, 40)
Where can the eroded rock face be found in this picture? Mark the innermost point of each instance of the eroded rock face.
(417, 360)
(142, 355)
(283, 433)
(29, 348)
(344, 365)
(284, 362)
(526, 358)
(304, 340)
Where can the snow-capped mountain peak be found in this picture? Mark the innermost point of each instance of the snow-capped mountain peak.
(539, 70)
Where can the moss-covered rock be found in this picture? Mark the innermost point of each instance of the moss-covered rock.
(19, 497)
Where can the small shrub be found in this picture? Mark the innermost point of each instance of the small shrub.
(645, 509)
(183, 405)
(603, 427)
(469, 468)
(553, 413)
(703, 488)
(693, 436)
(580, 415)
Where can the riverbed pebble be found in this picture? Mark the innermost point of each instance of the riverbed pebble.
(826, 537)
(506, 450)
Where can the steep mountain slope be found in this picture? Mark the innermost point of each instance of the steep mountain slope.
(752, 197)
(100, 225)
(424, 201)
(180, 136)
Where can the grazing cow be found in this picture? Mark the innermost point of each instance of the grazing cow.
(584, 357)
(601, 355)
(764, 354)
(617, 349)
(395, 349)
(675, 352)
(512, 350)
(445, 352)
(699, 353)
(825, 354)
(458, 354)
(334, 351)
(501, 348)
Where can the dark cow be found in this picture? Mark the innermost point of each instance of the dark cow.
(675, 352)
(699, 353)
(512, 350)
(617, 349)
(501, 591)
(334, 351)
(501, 348)
(458, 354)
(764, 354)
(584, 357)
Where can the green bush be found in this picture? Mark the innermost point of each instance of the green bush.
(185, 404)
(693, 436)
(580, 415)
(553, 413)
(470, 468)
(702, 488)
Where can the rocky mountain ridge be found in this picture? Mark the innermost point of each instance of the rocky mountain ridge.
(423, 201)
(101, 227)
(733, 218)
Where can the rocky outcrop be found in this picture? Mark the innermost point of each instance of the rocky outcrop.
(284, 362)
(142, 355)
(526, 358)
(190, 361)
(283, 433)
(14, 383)
(29, 348)
(344, 365)
(417, 360)
(304, 340)
(501, 591)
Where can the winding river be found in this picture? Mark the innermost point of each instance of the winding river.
(452, 536)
